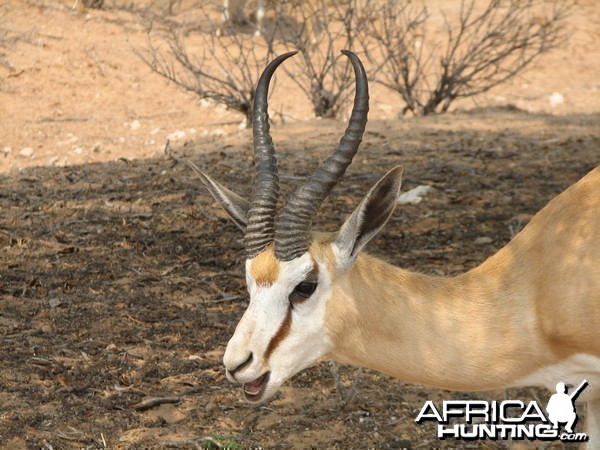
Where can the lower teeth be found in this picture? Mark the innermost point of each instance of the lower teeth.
(254, 387)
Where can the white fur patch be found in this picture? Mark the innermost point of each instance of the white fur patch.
(572, 371)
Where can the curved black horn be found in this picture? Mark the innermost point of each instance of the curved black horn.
(293, 224)
(261, 216)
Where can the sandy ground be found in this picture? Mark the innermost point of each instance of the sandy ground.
(77, 93)
(121, 280)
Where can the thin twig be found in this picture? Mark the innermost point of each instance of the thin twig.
(155, 401)
(66, 119)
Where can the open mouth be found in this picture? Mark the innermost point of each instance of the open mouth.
(255, 389)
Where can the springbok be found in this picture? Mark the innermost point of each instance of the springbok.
(233, 15)
(529, 315)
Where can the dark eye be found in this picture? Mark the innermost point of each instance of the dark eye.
(302, 291)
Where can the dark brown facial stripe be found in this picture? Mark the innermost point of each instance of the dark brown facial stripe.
(314, 273)
(281, 334)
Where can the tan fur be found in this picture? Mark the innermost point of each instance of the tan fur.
(534, 303)
(314, 273)
(264, 268)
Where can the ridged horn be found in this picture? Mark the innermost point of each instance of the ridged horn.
(293, 224)
(261, 216)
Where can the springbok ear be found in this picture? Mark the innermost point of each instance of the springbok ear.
(236, 206)
(369, 217)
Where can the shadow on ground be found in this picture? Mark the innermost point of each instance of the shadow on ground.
(123, 281)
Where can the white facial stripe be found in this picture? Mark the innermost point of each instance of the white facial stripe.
(295, 271)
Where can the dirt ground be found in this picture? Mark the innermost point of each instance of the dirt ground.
(121, 280)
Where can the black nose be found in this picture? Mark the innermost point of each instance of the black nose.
(241, 366)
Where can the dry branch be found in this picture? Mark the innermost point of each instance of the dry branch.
(150, 403)
(196, 443)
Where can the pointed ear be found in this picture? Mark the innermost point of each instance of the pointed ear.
(369, 217)
(236, 206)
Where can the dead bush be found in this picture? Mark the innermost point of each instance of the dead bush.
(319, 29)
(478, 50)
(225, 70)
(9, 38)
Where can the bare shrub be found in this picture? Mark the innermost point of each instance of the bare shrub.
(319, 29)
(478, 51)
(225, 70)
(5, 40)
(9, 37)
(346, 394)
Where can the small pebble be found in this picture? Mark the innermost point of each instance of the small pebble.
(26, 152)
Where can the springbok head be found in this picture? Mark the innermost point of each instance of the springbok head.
(293, 274)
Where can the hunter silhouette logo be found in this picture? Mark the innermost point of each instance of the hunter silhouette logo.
(561, 407)
(509, 419)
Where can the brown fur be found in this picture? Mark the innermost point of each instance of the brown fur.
(265, 267)
(314, 273)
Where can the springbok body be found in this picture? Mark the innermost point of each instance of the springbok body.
(529, 315)
(234, 15)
